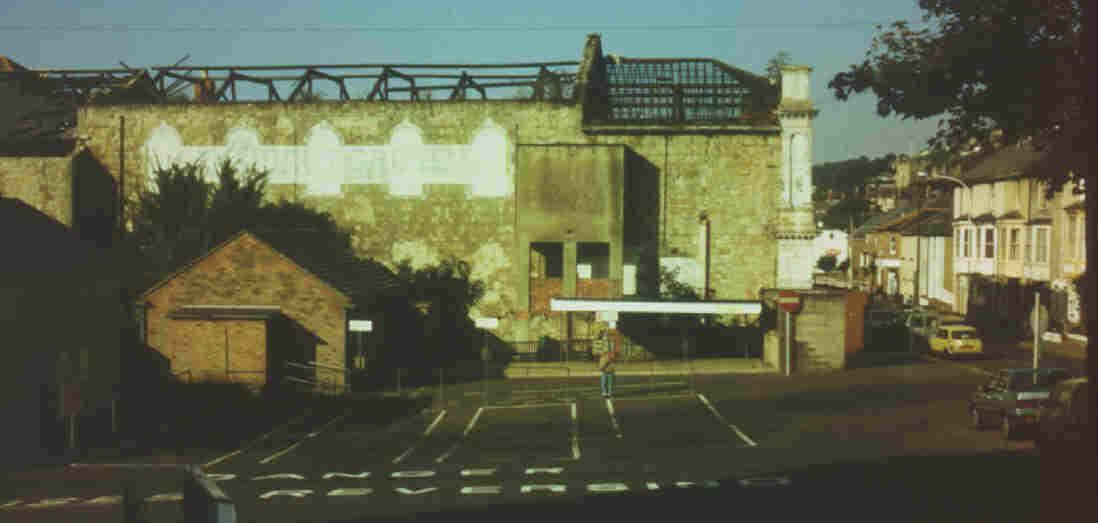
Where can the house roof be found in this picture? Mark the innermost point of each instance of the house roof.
(875, 223)
(353, 277)
(1013, 161)
(929, 223)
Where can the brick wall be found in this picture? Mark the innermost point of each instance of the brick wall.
(244, 272)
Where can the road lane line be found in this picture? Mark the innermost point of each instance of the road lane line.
(575, 435)
(525, 406)
(426, 433)
(722, 420)
(251, 444)
(613, 417)
(313, 434)
(465, 434)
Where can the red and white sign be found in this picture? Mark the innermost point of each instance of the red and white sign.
(789, 301)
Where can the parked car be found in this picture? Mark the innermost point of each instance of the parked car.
(1012, 397)
(879, 318)
(1065, 420)
(956, 339)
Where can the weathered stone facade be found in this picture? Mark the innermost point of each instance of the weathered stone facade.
(428, 180)
(44, 182)
(245, 271)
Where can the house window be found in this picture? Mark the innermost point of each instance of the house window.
(892, 245)
(547, 260)
(1042, 202)
(957, 242)
(968, 242)
(1015, 247)
(1082, 237)
(595, 258)
(989, 243)
(1029, 246)
(1042, 244)
(1071, 248)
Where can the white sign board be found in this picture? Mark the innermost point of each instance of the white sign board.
(487, 323)
(361, 325)
(583, 270)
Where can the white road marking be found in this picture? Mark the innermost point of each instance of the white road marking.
(333, 475)
(485, 489)
(104, 500)
(221, 477)
(351, 492)
(295, 493)
(171, 496)
(313, 434)
(11, 503)
(52, 502)
(722, 420)
(409, 492)
(544, 470)
(478, 472)
(283, 475)
(413, 474)
(215, 461)
(465, 434)
(613, 417)
(426, 433)
(575, 435)
(526, 406)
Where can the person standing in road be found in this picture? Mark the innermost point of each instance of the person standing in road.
(606, 363)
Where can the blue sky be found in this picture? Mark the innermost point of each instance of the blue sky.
(828, 35)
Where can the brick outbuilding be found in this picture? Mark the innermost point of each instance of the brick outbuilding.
(258, 301)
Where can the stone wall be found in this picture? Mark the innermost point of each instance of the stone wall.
(244, 272)
(44, 182)
(731, 177)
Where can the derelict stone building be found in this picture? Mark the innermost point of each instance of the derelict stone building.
(684, 163)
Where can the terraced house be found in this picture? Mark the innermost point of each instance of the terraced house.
(1011, 242)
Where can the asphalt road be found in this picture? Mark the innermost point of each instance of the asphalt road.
(838, 445)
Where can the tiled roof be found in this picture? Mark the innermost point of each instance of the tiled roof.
(356, 277)
(1007, 162)
(929, 223)
(875, 223)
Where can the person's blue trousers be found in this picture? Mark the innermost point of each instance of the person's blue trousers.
(607, 383)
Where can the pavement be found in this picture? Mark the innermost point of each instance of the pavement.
(641, 368)
(1068, 348)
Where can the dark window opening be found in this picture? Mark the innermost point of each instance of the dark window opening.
(593, 257)
(547, 260)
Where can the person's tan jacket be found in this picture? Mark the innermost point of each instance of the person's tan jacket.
(606, 361)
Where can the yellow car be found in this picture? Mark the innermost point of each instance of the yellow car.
(953, 340)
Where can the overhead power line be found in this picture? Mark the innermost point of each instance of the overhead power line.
(130, 28)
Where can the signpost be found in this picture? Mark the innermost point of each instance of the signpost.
(790, 302)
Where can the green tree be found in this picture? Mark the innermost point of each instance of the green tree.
(826, 262)
(185, 215)
(451, 292)
(1022, 67)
